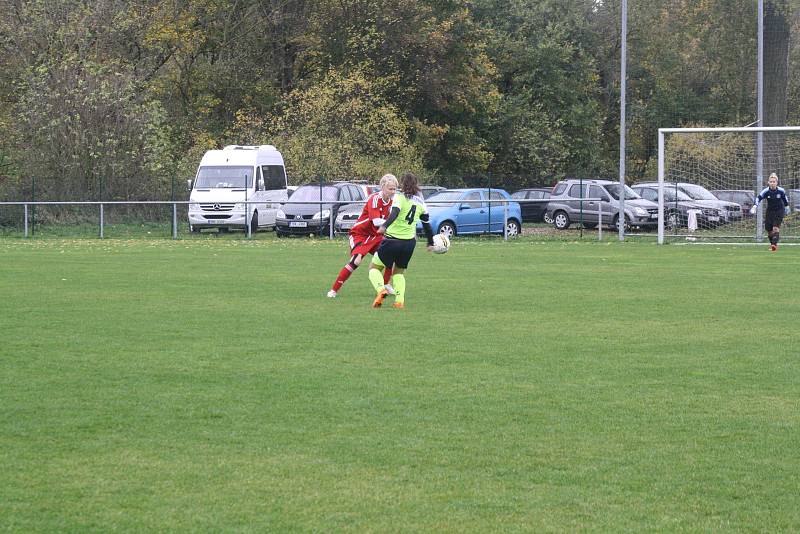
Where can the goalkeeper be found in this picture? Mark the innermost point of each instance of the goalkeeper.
(777, 206)
(400, 238)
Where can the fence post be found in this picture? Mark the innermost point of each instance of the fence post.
(101, 220)
(600, 221)
(174, 220)
(26, 221)
(505, 221)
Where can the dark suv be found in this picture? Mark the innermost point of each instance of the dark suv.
(315, 215)
(568, 205)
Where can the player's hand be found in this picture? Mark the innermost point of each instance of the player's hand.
(381, 230)
(786, 210)
(753, 209)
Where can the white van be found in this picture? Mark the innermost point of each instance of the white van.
(228, 178)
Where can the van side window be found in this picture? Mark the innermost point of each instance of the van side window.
(274, 177)
(258, 179)
(559, 188)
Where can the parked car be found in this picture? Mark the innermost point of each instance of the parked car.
(428, 190)
(677, 205)
(566, 205)
(730, 211)
(744, 197)
(312, 217)
(466, 211)
(533, 211)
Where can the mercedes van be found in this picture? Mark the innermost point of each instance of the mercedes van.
(235, 187)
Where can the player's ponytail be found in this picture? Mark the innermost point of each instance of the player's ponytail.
(409, 184)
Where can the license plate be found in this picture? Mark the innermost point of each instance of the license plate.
(713, 219)
(298, 224)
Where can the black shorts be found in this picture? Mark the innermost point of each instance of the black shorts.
(774, 218)
(396, 252)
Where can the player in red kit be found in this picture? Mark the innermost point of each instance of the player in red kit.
(364, 236)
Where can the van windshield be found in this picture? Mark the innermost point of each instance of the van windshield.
(613, 190)
(224, 178)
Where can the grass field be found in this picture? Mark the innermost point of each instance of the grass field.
(209, 385)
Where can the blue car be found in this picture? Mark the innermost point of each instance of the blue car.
(466, 211)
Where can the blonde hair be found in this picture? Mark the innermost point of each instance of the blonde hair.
(387, 179)
(773, 175)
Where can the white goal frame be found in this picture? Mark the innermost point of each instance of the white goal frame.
(757, 182)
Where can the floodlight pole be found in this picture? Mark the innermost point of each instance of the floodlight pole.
(622, 87)
(759, 181)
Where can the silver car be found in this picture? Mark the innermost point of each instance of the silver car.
(586, 201)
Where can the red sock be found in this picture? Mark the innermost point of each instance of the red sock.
(387, 275)
(344, 274)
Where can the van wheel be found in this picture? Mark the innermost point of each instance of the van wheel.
(447, 228)
(254, 223)
(513, 228)
(194, 229)
(561, 220)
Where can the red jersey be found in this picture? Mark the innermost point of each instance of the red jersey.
(375, 208)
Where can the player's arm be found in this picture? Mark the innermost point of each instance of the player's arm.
(759, 198)
(374, 213)
(426, 226)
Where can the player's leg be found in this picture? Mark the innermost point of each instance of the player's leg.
(387, 271)
(345, 273)
(399, 277)
(769, 226)
(376, 269)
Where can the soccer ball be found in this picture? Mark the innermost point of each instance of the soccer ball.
(441, 243)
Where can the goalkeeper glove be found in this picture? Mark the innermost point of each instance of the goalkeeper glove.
(786, 210)
(753, 209)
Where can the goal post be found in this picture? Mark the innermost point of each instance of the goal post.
(708, 179)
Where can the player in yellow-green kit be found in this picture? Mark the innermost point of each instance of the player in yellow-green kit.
(400, 238)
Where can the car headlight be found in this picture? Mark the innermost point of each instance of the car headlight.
(194, 207)
(239, 206)
(641, 212)
(322, 214)
(280, 214)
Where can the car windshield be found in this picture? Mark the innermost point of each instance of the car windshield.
(670, 195)
(314, 193)
(613, 190)
(224, 178)
(697, 192)
(444, 198)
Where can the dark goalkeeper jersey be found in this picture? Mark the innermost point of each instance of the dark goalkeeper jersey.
(776, 198)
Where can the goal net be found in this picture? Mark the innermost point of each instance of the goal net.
(708, 179)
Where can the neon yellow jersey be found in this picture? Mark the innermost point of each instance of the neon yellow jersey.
(411, 209)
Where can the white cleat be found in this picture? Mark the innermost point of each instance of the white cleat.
(331, 294)
(389, 289)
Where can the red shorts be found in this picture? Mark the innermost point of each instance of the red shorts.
(360, 245)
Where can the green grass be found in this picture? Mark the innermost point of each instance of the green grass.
(208, 385)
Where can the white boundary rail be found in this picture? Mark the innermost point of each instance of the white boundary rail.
(175, 203)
